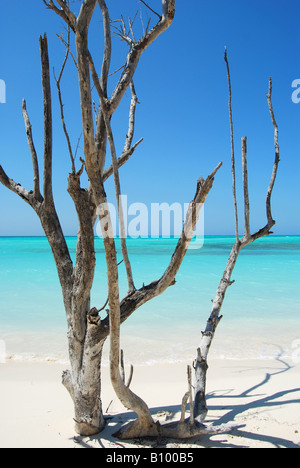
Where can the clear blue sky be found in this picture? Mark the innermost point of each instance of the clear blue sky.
(181, 83)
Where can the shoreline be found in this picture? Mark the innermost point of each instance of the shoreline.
(234, 341)
(261, 396)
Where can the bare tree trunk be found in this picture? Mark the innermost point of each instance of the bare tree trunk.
(201, 364)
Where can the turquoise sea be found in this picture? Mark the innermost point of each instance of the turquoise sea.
(261, 311)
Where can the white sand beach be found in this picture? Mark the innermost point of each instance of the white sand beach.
(261, 396)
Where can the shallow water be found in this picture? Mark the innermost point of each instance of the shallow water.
(261, 310)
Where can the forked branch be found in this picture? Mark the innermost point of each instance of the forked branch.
(201, 365)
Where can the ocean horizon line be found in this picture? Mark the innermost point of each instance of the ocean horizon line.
(74, 236)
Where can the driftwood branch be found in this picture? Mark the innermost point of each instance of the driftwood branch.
(48, 195)
(138, 48)
(277, 156)
(201, 365)
(121, 160)
(131, 302)
(115, 166)
(232, 148)
(246, 189)
(35, 164)
(145, 425)
(67, 46)
(64, 12)
(123, 375)
(101, 135)
(58, 81)
(119, 202)
(149, 8)
(131, 125)
(17, 189)
(107, 46)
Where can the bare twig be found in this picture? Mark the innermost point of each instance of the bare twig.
(103, 307)
(61, 103)
(77, 146)
(153, 11)
(130, 134)
(96, 80)
(148, 26)
(119, 69)
(121, 160)
(246, 189)
(35, 164)
(122, 365)
(189, 373)
(119, 202)
(130, 376)
(131, 29)
(67, 45)
(277, 156)
(232, 148)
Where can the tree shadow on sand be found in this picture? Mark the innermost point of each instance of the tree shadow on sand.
(232, 411)
(263, 402)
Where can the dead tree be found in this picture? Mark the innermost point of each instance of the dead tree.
(201, 365)
(87, 331)
(145, 425)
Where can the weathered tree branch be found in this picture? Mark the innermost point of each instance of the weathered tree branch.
(16, 188)
(131, 302)
(62, 106)
(48, 195)
(277, 156)
(107, 46)
(121, 160)
(153, 11)
(101, 135)
(131, 125)
(201, 365)
(64, 12)
(85, 253)
(119, 202)
(232, 148)
(138, 48)
(246, 189)
(106, 118)
(35, 164)
(85, 16)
